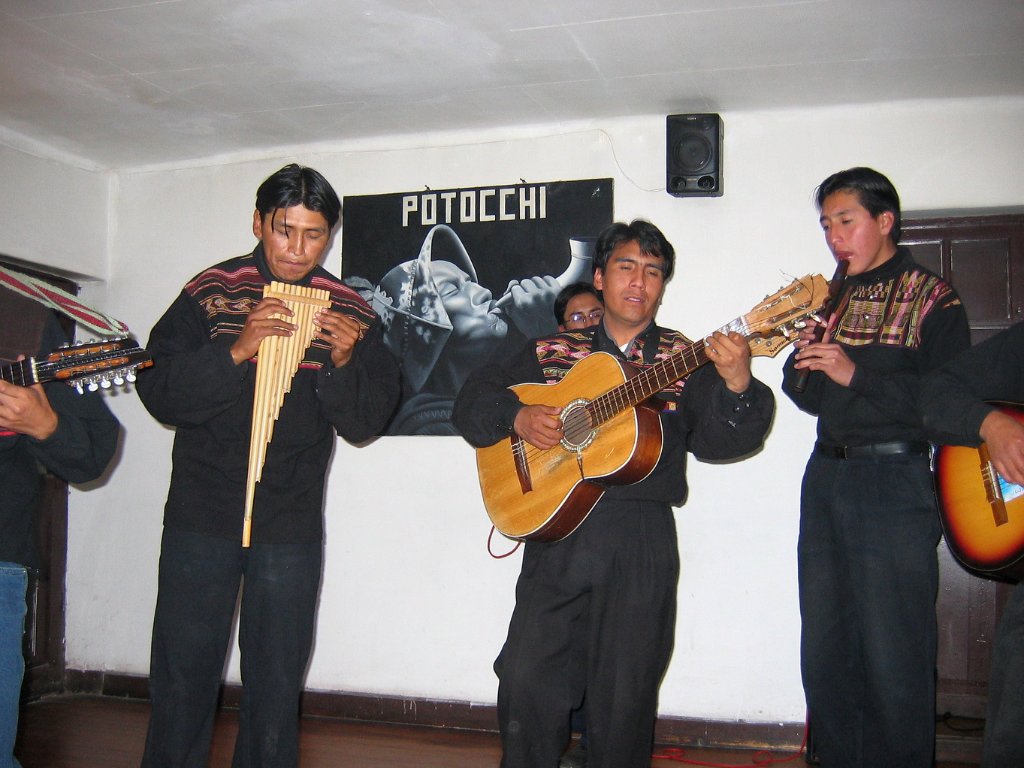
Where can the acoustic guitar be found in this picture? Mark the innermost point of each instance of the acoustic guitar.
(611, 436)
(982, 514)
(90, 365)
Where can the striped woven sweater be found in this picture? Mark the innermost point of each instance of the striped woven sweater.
(195, 387)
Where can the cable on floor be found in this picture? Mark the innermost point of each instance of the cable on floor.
(759, 758)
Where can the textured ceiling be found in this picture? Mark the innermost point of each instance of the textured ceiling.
(119, 83)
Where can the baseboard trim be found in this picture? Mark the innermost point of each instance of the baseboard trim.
(464, 715)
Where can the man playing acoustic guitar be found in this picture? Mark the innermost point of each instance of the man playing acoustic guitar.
(595, 611)
(955, 412)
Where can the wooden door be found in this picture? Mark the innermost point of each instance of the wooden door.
(983, 257)
(44, 625)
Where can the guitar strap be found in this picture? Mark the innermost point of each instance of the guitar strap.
(63, 302)
(21, 325)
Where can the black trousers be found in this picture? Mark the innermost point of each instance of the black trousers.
(197, 595)
(1004, 720)
(868, 577)
(595, 614)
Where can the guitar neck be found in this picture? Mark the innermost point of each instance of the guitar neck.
(24, 373)
(91, 364)
(650, 380)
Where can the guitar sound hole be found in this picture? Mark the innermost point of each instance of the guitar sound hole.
(578, 426)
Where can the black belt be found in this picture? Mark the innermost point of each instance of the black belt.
(873, 451)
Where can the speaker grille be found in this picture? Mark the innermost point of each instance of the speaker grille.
(694, 155)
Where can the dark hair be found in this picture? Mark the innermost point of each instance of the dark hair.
(873, 190)
(298, 185)
(571, 291)
(643, 233)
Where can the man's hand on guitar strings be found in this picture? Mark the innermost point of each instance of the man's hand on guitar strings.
(26, 410)
(539, 425)
(1004, 436)
(731, 357)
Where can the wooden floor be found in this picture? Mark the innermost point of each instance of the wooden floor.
(103, 732)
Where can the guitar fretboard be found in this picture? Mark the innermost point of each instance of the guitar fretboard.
(91, 364)
(655, 378)
(22, 373)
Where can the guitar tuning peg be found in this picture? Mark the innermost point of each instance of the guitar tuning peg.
(130, 377)
(105, 383)
(93, 386)
(119, 380)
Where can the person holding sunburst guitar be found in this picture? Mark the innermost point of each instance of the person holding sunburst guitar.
(596, 599)
(867, 562)
(974, 401)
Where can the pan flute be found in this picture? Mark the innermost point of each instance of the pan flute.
(277, 361)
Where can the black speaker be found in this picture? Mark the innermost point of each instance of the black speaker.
(694, 157)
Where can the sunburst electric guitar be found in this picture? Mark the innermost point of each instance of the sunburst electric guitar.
(982, 514)
(611, 436)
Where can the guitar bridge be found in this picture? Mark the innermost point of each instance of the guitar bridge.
(522, 467)
(993, 492)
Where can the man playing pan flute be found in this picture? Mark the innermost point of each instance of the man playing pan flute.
(867, 569)
(203, 384)
(595, 611)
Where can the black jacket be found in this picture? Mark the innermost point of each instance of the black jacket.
(953, 397)
(896, 322)
(195, 387)
(79, 451)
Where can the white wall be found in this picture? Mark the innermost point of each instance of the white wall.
(53, 214)
(411, 603)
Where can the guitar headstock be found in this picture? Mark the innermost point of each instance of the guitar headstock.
(773, 323)
(95, 364)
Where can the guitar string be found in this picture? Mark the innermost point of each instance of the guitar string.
(654, 379)
(17, 373)
(605, 406)
(79, 363)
